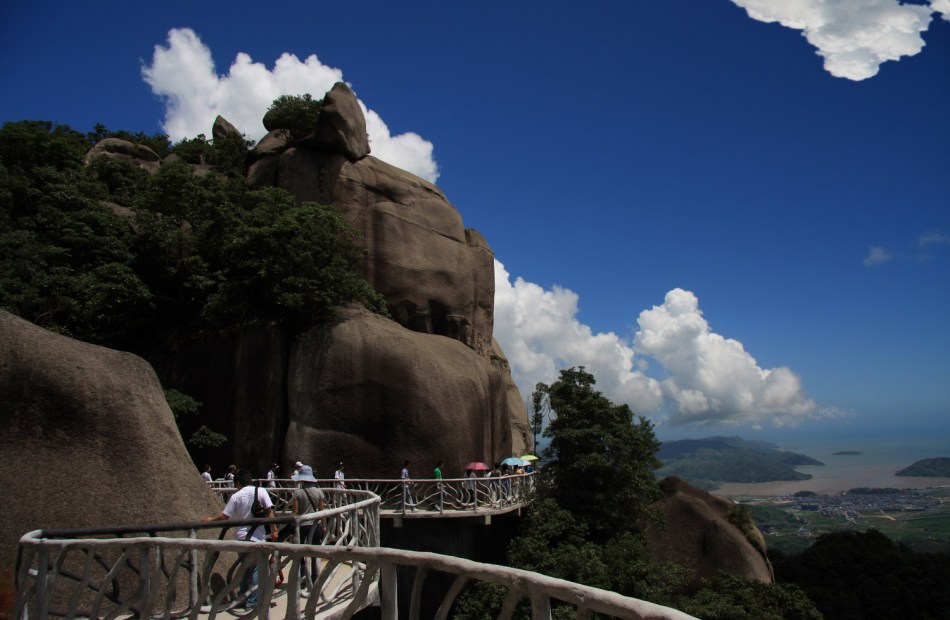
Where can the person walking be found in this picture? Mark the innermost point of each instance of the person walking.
(470, 486)
(229, 477)
(308, 498)
(339, 476)
(437, 474)
(408, 501)
(239, 508)
(272, 475)
(206, 474)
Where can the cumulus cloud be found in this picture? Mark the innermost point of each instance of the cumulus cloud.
(708, 379)
(540, 334)
(853, 36)
(183, 74)
(712, 379)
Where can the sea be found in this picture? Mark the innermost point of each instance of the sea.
(875, 466)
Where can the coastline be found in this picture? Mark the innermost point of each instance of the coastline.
(832, 482)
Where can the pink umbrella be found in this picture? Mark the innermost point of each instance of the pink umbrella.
(477, 466)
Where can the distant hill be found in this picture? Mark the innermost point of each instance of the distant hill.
(730, 459)
(930, 468)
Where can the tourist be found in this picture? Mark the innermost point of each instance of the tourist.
(271, 475)
(492, 484)
(437, 474)
(339, 476)
(296, 473)
(407, 500)
(239, 507)
(505, 484)
(470, 486)
(206, 474)
(229, 477)
(308, 498)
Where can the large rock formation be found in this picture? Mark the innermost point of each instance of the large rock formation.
(697, 533)
(430, 384)
(436, 275)
(88, 440)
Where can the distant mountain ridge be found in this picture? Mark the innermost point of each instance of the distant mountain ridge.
(730, 459)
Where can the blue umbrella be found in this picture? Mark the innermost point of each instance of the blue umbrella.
(514, 461)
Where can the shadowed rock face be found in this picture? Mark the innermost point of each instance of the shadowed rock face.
(88, 440)
(373, 394)
(697, 534)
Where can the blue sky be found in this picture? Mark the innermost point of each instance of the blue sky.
(730, 230)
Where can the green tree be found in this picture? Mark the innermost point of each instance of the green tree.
(293, 115)
(734, 598)
(602, 461)
(184, 406)
(288, 262)
(538, 407)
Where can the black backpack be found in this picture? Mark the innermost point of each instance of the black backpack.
(258, 511)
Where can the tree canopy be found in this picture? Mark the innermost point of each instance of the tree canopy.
(114, 255)
(602, 460)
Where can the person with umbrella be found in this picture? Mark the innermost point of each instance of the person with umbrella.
(470, 483)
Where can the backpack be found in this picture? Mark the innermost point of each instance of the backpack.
(258, 511)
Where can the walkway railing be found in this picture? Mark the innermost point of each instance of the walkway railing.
(176, 571)
(456, 494)
(173, 571)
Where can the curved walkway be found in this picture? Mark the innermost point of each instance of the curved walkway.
(180, 571)
(420, 499)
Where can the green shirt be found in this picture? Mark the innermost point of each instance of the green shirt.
(438, 474)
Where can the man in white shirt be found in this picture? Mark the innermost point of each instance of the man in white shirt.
(206, 474)
(239, 508)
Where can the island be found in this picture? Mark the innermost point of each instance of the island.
(845, 453)
(929, 468)
(707, 462)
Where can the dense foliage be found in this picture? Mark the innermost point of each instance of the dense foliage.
(857, 575)
(293, 115)
(111, 254)
(114, 255)
(601, 459)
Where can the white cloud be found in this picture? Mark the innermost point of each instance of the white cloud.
(853, 36)
(712, 379)
(540, 334)
(709, 380)
(184, 76)
(942, 7)
(877, 255)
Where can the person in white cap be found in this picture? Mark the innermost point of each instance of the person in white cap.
(296, 473)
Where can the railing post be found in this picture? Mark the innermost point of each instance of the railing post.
(388, 602)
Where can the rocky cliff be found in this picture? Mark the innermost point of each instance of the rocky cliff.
(428, 384)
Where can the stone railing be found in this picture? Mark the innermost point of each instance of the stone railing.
(453, 494)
